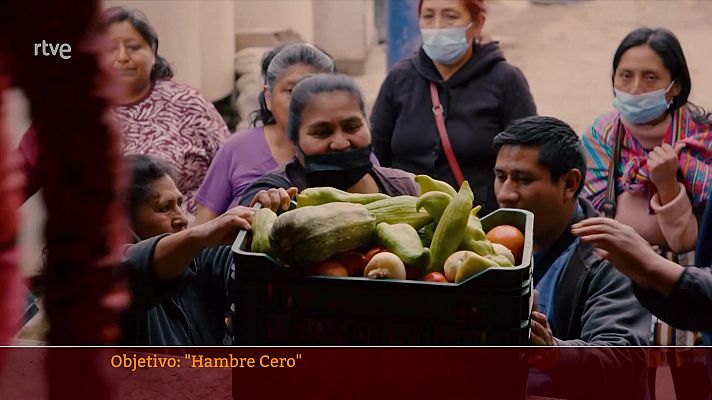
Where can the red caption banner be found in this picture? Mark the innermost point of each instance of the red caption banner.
(346, 372)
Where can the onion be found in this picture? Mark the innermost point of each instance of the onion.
(502, 250)
(385, 266)
(452, 264)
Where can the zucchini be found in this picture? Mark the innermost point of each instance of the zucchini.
(322, 195)
(399, 210)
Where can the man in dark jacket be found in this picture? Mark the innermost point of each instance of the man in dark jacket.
(583, 300)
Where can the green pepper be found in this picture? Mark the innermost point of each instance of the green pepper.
(434, 203)
(475, 239)
(451, 228)
(403, 241)
(426, 233)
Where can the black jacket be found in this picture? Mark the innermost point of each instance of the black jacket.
(188, 311)
(689, 305)
(479, 101)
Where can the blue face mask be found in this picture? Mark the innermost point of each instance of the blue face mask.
(445, 45)
(641, 108)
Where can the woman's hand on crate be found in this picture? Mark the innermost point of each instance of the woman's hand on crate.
(275, 199)
(223, 229)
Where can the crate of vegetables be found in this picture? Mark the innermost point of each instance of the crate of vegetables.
(352, 269)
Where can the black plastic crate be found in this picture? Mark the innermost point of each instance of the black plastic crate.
(277, 305)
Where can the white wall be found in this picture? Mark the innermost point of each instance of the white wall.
(276, 15)
(345, 28)
(217, 45)
(197, 39)
(197, 36)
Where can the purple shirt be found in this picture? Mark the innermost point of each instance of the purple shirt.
(244, 157)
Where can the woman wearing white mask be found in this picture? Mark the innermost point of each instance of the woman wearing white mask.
(663, 168)
(650, 160)
(475, 92)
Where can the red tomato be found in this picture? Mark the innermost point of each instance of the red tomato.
(372, 252)
(329, 268)
(510, 237)
(354, 262)
(435, 277)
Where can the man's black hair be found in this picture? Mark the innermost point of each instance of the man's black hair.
(559, 146)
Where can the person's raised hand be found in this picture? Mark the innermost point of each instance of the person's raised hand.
(275, 199)
(662, 169)
(618, 243)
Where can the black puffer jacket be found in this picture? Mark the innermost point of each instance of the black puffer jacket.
(479, 100)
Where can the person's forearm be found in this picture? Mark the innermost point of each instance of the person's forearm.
(676, 219)
(661, 274)
(174, 253)
(204, 214)
(668, 191)
(689, 306)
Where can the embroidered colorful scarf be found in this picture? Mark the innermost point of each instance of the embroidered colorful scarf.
(695, 160)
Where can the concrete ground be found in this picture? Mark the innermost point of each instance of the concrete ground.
(565, 51)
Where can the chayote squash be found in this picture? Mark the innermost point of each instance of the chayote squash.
(314, 233)
(262, 223)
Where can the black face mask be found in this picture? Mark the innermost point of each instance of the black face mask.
(340, 170)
